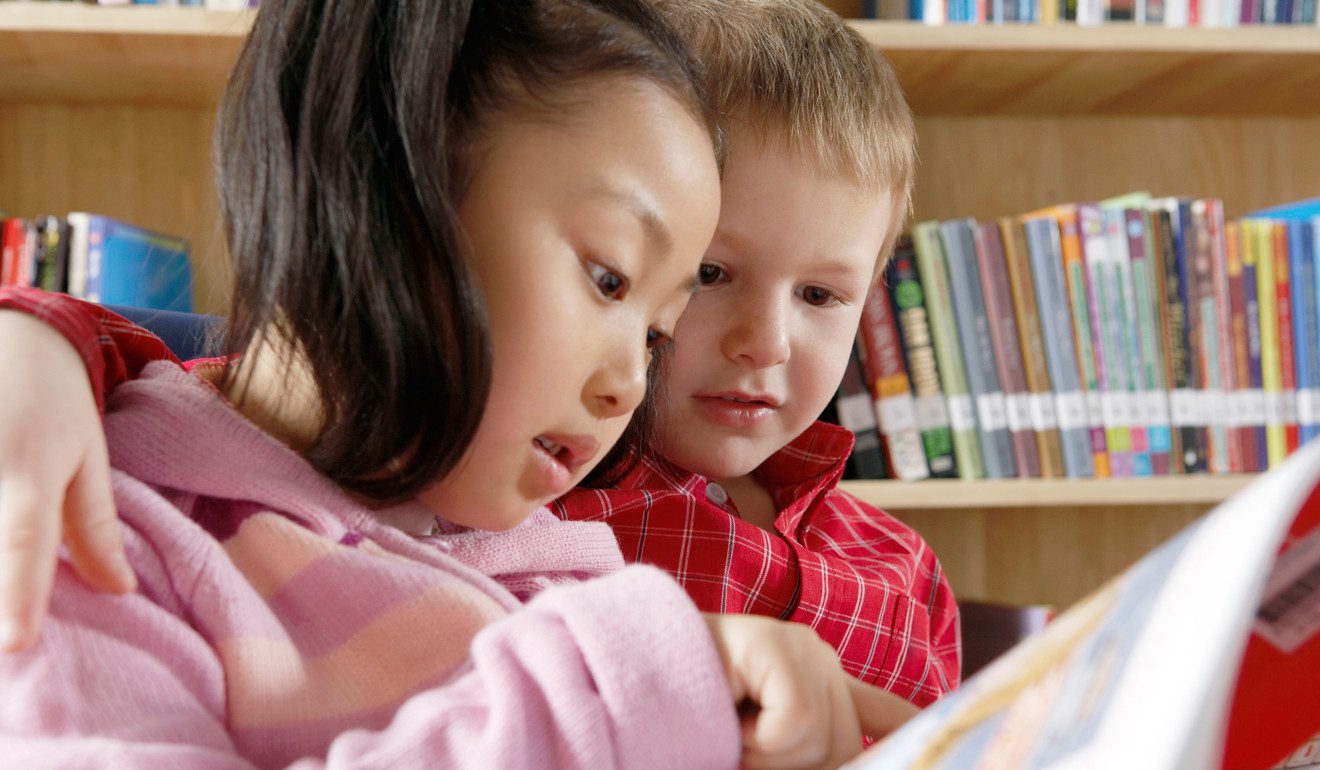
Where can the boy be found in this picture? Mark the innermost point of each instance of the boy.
(737, 496)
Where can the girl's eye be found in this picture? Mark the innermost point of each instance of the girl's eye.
(609, 283)
(709, 274)
(655, 338)
(818, 296)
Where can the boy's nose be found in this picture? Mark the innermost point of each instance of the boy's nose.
(759, 337)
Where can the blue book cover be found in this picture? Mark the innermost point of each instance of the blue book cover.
(130, 265)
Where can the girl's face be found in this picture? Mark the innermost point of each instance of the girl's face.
(586, 232)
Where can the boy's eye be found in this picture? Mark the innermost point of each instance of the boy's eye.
(708, 274)
(818, 296)
(610, 284)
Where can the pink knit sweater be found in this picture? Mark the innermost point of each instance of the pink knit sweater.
(280, 623)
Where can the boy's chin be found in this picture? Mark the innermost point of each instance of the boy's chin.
(722, 462)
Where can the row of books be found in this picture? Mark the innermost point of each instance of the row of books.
(1169, 13)
(98, 258)
(1133, 336)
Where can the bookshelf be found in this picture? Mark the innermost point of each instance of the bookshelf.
(111, 109)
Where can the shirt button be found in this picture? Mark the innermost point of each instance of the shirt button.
(716, 494)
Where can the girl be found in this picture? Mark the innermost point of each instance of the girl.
(423, 201)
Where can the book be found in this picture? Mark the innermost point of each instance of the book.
(1045, 251)
(1181, 374)
(909, 303)
(1007, 347)
(1104, 314)
(973, 323)
(1205, 249)
(1255, 404)
(18, 250)
(1238, 402)
(1302, 218)
(934, 274)
(116, 263)
(1202, 654)
(1035, 369)
(1287, 350)
(1147, 373)
(1276, 440)
(881, 356)
(1122, 327)
(1074, 271)
(853, 409)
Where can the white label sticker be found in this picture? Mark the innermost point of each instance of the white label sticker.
(1042, 411)
(961, 415)
(1072, 410)
(991, 412)
(897, 414)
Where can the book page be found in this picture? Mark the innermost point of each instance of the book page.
(1139, 674)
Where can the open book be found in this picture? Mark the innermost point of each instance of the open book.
(1204, 654)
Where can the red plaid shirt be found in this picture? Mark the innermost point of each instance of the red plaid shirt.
(866, 582)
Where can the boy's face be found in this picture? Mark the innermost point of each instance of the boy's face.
(762, 346)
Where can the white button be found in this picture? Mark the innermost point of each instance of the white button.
(716, 494)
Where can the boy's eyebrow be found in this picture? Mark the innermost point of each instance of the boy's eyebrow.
(657, 234)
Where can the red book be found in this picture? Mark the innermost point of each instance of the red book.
(887, 376)
(1287, 362)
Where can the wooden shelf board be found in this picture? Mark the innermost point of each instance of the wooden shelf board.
(953, 494)
(137, 55)
(1109, 70)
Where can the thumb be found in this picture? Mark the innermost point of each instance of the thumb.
(879, 712)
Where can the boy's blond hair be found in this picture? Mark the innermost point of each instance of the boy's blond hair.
(794, 71)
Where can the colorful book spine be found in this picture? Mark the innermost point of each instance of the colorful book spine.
(1287, 351)
(1017, 265)
(1104, 318)
(1238, 400)
(1124, 328)
(1223, 314)
(973, 325)
(1148, 376)
(1276, 439)
(1074, 270)
(992, 266)
(1256, 415)
(1203, 250)
(882, 361)
(909, 303)
(1184, 401)
(854, 410)
(1306, 314)
(1045, 253)
(948, 350)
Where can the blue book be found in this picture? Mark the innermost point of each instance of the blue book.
(1046, 256)
(115, 263)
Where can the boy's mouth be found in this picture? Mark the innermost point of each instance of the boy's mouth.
(755, 400)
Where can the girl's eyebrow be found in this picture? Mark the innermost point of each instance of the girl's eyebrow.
(657, 234)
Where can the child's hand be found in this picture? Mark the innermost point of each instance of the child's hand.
(54, 476)
(799, 708)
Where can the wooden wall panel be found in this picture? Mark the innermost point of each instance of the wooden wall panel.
(147, 165)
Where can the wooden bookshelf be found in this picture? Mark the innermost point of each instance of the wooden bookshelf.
(111, 110)
(1045, 541)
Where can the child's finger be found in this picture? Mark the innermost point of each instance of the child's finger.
(29, 541)
(91, 526)
(879, 712)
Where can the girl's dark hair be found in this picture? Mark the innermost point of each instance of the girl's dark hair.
(348, 132)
